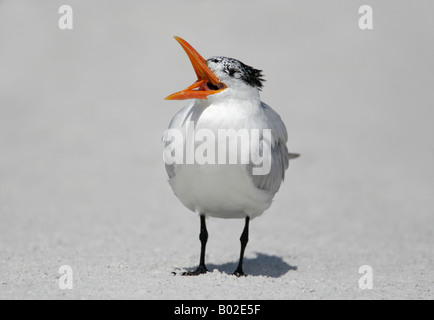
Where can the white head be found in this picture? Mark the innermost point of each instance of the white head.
(219, 78)
(242, 81)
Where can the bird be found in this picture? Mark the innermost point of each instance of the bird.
(225, 96)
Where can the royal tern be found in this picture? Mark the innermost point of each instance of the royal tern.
(225, 97)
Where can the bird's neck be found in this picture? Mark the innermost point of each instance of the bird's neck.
(247, 96)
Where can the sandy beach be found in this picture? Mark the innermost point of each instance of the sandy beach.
(82, 178)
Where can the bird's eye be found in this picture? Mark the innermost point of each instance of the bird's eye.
(236, 75)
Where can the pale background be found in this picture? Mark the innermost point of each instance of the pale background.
(82, 182)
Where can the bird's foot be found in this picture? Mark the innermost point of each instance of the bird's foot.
(198, 271)
(239, 273)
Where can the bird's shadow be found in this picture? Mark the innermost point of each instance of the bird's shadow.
(262, 265)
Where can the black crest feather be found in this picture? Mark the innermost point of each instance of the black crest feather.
(248, 74)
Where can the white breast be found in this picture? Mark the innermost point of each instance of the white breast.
(219, 190)
(224, 191)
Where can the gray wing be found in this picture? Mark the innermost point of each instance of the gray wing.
(279, 154)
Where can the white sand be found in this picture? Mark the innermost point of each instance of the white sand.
(82, 182)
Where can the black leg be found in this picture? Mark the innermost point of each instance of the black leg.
(203, 237)
(243, 239)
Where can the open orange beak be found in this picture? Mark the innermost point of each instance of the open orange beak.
(207, 83)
